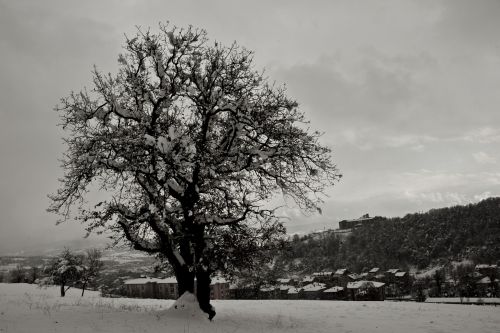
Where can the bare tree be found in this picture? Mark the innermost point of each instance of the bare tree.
(17, 275)
(191, 143)
(92, 266)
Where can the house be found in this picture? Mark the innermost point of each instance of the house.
(341, 277)
(487, 270)
(167, 288)
(243, 292)
(307, 280)
(152, 288)
(334, 293)
(283, 294)
(293, 293)
(269, 292)
(284, 281)
(353, 276)
(219, 289)
(312, 291)
(323, 276)
(366, 290)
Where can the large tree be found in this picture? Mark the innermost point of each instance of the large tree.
(190, 143)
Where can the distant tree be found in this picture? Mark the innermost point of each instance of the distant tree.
(64, 270)
(191, 143)
(17, 275)
(1, 277)
(91, 267)
(34, 274)
(438, 278)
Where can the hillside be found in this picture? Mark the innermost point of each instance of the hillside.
(417, 240)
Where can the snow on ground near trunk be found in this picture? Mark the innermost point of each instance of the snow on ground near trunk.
(26, 308)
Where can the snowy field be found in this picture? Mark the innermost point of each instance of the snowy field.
(26, 308)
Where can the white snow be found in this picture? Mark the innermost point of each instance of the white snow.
(26, 308)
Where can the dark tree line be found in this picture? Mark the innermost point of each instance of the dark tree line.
(421, 239)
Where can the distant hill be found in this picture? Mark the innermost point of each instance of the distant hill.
(416, 240)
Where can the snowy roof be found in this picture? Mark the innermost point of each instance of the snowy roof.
(150, 280)
(267, 288)
(314, 287)
(293, 290)
(353, 276)
(400, 274)
(283, 280)
(364, 284)
(218, 279)
(485, 280)
(322, 273)
(374, 270)
(333, 289)
(341, 271)
(482, 266)
(308, 279)
(284, 287)
(393, 270)
(363, 274)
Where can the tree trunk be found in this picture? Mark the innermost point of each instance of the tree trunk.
(203, 293)
(83, 288)
(63, 291)
(185, 280)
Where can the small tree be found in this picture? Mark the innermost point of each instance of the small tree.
(65, 271)
(17, 275)
(34, 274)
(92, 266)
(191, 143)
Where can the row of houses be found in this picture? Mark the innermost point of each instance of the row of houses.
(357, 290)
(340, 284)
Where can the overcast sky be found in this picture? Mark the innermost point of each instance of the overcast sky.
(407, 93)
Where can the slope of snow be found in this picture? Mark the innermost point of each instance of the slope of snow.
(26, 308)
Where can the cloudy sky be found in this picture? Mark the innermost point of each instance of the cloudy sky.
(407, 93)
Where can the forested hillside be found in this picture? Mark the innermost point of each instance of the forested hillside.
(418, 240)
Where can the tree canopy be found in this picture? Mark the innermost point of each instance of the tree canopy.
(190, 142)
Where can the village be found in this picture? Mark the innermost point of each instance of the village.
(342, 284)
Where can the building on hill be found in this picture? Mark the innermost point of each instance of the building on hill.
(356, 223)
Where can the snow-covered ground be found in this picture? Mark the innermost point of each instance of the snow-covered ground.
(26, 308)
